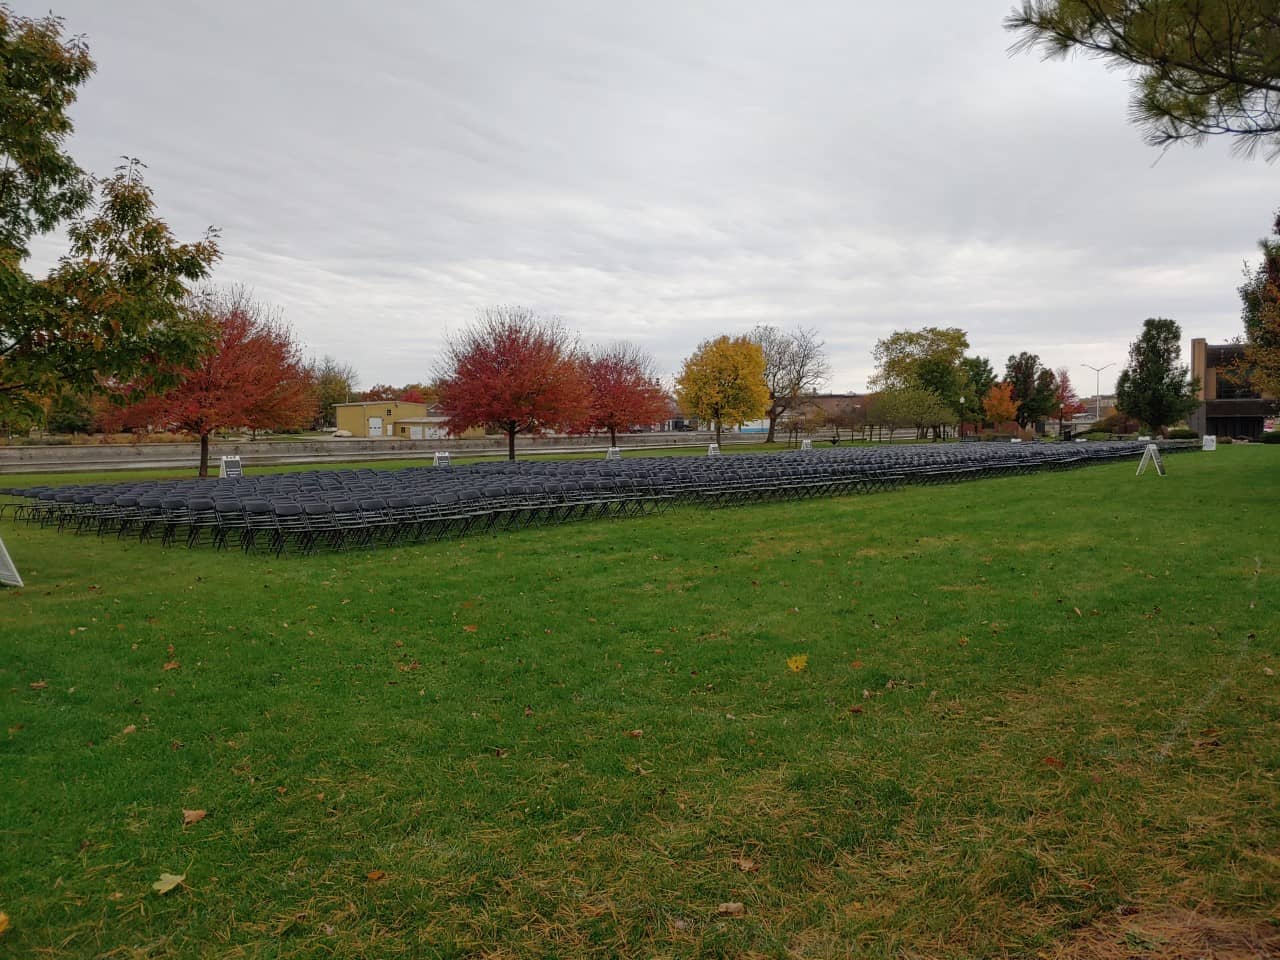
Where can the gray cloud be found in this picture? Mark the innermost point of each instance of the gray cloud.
(665, 172)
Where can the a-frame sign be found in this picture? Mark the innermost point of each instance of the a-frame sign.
(8, 572)
(1152, 456)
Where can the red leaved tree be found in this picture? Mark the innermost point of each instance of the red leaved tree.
(254, 377)
(625, 391)
(382, 391)
(513, 371)
(1066, 403)
(428, 393)
(998, 405)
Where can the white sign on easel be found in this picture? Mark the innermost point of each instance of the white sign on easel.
(231, 467)
(8, 572)
(441, 459)
(806, 444)
(613, 453)
(1209, 443)
(1151, 455)
(713, 449)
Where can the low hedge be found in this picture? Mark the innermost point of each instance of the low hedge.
(1182, 433)
(1272, 436)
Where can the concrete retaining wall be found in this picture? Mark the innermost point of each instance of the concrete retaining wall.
(133, 456)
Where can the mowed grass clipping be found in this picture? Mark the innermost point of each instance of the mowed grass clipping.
(965, 721)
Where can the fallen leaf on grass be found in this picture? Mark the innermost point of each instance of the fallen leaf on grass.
(746, 864)
(1053, 762)
(798, 662)
(167, 882)
(4, 922)
(39, 685)
(471, 628)
(193, 816)
(732, 909)
(171, 665)
(855, 709)
(376, 875)
(635, 734)
(1077, 610)
(1210, 738)
(115, 895)
(1267, 671)
(409, 667)
(131, 728)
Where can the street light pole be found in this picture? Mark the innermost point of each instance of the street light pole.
(1097, 389)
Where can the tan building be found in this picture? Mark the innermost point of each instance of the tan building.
(430, 427)
(377, 418)
(1229, 406)
(843, 410)
(395, 419)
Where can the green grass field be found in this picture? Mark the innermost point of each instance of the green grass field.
(1015, 717)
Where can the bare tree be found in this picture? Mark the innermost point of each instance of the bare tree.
(794, 364)
(335, 383)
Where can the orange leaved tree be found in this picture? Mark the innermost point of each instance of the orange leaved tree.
(253, 377)
(999, 406)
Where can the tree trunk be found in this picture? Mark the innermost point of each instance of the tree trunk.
(717, 431)
(511, 443)
(613, 437)
(773, 422)
(204, 454)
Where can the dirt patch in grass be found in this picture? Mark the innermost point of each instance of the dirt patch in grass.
(1170, 935)
(774, 546)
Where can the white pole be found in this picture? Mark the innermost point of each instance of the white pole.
(1097, 389)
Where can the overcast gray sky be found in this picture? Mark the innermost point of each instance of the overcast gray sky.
(664, 172)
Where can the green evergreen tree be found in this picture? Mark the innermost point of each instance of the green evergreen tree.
(1198, 68)
(1034, 387)
(1154, 388)
(977, 379)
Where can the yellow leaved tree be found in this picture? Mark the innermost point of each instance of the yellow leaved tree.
(724, 381)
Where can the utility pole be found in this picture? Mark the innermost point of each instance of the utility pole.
(1097, 389)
